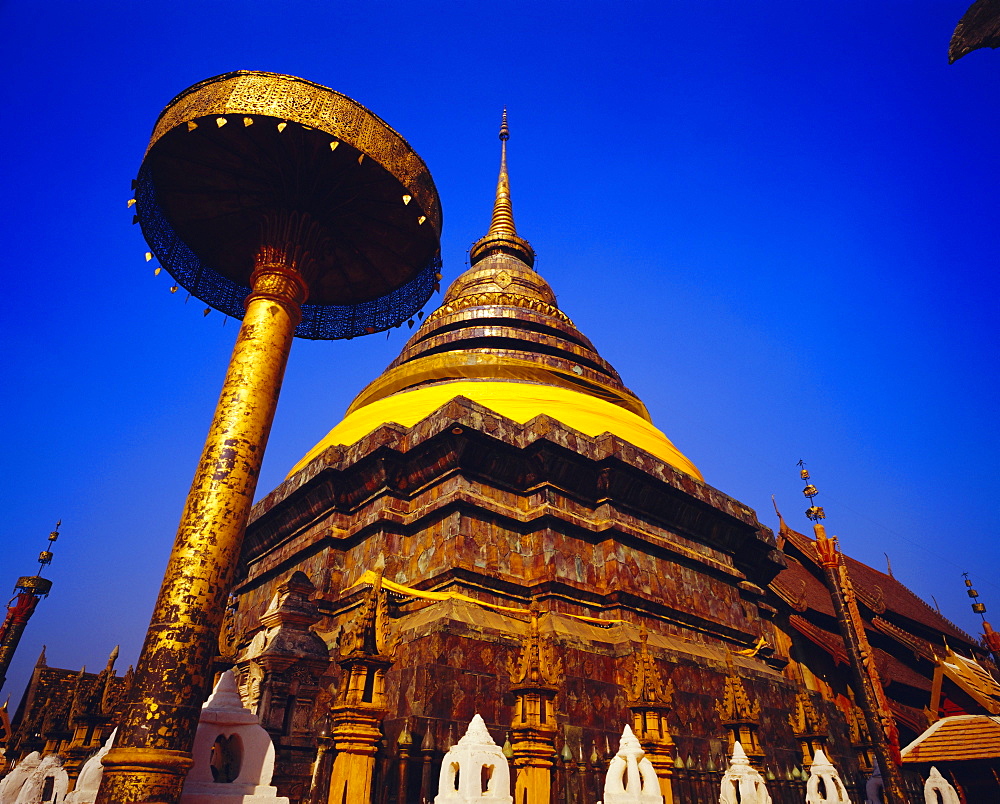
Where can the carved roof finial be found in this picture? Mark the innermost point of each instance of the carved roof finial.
(782, 527)
(736, 705)
(644, 686)
(538, 662)
(369, 634)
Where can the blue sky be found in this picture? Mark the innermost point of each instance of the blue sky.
(777, 221)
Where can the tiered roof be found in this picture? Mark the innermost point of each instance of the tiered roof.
(960, 738)
(909, 638)
(55, 700)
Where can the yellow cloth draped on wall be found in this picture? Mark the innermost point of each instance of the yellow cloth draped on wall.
(514, 400)
(369, 578)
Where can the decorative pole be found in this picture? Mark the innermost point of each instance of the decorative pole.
(258, 193)
(871, 696)
(990, 637)
(427, 751)
(28, 590)
(404, 745)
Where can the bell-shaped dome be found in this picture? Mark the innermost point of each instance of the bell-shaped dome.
(500, 339)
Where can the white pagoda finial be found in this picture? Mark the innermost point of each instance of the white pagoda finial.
(741, 783)
(474, 770)
(935, 786)
(631, 778)
(739, 755)
(824, 785)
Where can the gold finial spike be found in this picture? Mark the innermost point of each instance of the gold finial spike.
(502, 222)
(502, 235)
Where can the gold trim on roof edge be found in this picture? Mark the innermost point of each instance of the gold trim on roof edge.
(286, 97)
(488, 299)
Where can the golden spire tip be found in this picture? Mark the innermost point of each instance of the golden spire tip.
(502, 235)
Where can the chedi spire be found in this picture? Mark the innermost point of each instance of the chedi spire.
(499, 339)
(502, 235)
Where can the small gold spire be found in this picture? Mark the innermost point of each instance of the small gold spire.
(502, 235)
(502, 222)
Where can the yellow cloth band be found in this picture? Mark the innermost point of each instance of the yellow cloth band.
(370, 578)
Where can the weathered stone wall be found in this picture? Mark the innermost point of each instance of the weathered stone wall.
(468, 502)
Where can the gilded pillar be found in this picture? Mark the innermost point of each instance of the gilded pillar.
(534, 676)
(740, 715)
(809, 726)
(534, 743)
(151, 757)
(356, 735)
(649, 701)
(360, 705)
(348, 216)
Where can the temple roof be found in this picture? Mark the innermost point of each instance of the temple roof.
(960, 738)
(56, 700)
(880, 593)
(973, 679)
(894, 617)
(500, 339)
